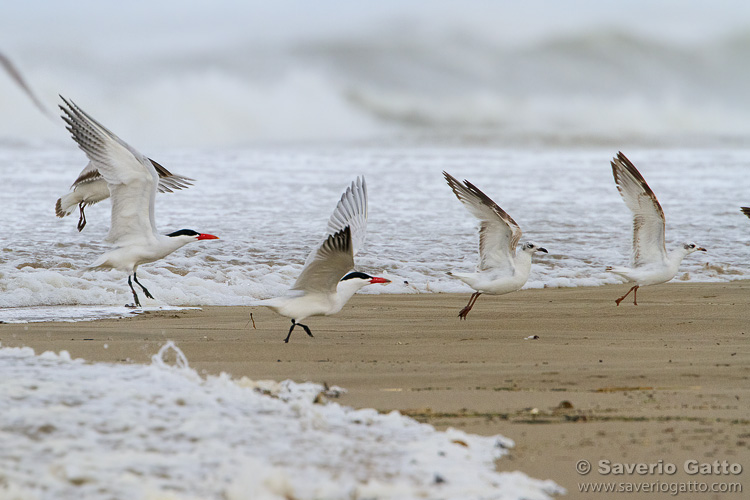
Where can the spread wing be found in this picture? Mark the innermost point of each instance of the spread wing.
(350, 211)
(648, 216)
(130, 176)
(88, 174)
(331, 261)
(498, 232)
(168, 182)
(21, 82)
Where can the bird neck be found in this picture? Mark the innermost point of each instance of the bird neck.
(171, 243)
(523, 262)
(345, 289)
(675, 256)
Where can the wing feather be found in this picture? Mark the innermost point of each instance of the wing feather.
(168, 181)
(130, 176)
(331, 261)
(499, 234)
(648, 216)
(351, 211)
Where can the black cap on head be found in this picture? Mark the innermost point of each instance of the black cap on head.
(184, 232)
(356, 274)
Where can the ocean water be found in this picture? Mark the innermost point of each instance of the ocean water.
(239, 73)
(270, 207)
(72, 429)
(274, 110)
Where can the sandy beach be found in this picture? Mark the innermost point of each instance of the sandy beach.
(666, 380)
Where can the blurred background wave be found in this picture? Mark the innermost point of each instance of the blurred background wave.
(226, 73)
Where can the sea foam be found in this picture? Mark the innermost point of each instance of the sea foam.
(269, 206)
(72, 429)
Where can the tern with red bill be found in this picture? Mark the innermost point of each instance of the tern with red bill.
(327, 281)
(650, 264)
(132, 182)
(501, 270)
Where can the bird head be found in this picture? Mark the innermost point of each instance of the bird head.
(362, 279)
(532, 248)
(189, 235)
(692, 247)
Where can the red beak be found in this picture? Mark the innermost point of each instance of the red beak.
(379, 280)
(207, 237)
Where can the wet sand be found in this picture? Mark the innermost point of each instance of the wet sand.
(666, 380)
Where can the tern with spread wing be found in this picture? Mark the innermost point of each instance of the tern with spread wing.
(90, 188)
(327, 281)
(132, 182)
(501, 270)
(650, 264)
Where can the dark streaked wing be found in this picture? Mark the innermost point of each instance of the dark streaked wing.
(88, 174)
(168, 181)
(499, 234)
(648, 216)
(351, 210)
(130, 176)
(333, 259)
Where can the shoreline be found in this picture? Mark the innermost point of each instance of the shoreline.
(666, 380)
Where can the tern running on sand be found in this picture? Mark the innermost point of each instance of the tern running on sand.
(90, 188)
(132, 181)
(501, 270)
(650, 262)
(326, 284)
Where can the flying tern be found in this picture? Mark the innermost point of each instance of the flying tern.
(501, 270)
(327, 281)
(650, 264)
(90, 188)
(132, 182)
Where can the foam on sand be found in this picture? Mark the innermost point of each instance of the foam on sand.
(72, 429)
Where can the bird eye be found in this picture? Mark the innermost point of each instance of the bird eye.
(531, 246)
(692, 246)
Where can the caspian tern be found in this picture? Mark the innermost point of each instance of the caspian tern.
(650, 263)
(325, 284)
(132, 181)
(500, 269)
(90, 187)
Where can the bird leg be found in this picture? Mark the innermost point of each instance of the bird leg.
(307, 330)
(135, 295)
(634, 289)
(248, 322)
(82, 217)
(294, 323)
(148, 294)
(465, 311)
